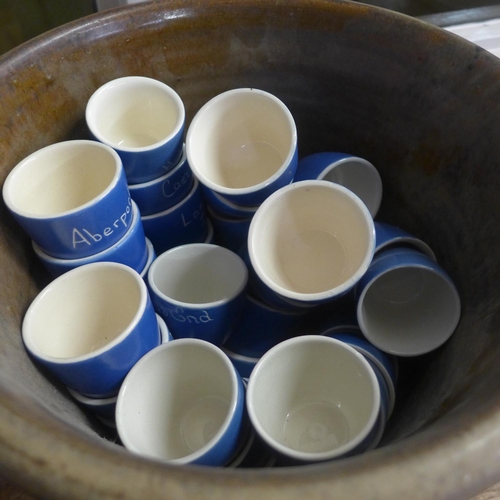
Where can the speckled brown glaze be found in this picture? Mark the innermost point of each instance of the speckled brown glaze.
(422, 105)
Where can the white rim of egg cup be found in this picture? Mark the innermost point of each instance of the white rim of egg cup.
(170, 269)
(47, 311)
(151, 258)
(402, 239)
(64, 167)
(282, 367)
(141, 376)
(165, 335)
(360, 176)
(244, 364)
(213, 122)
(267, 241)
(412, 241)
(126, 91)
(91, 402)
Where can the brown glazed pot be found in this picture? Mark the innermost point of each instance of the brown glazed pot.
(422, 105)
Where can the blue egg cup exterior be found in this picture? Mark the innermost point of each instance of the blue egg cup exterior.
(183, 223)
(397, 257)
(225, 208)
(164, 192)
(244, 364)
(311, 167)
(230, 233)
(387, 235)
(101, 407)
(261, 327)
(130, 250)
(212, 324)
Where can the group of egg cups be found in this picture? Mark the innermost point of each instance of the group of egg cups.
(203, 415)
(73, 200)
(306, 236)
(117, 198)
(143, 120)
(301, 398)
(306, 231)
(294, 238)
(202, 293)
(124, 196)
(320, 265)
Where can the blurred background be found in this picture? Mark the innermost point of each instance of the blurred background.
(21, 20)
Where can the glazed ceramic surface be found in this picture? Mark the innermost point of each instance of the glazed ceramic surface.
(71, 198)
(314, 398)
(183, 223)
(407, 304)
(131, 250)
(311, 241)
(163, 192)
(183, 403)
(426, 113)
(64, 330)
(199, 290)
(243, 145)
(356, 174)
(143, 120)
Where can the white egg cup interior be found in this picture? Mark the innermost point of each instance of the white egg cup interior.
(199, 273)
(135, 113)
(177, 401)
(311, 240)
(358, 175)
(313, 398)
(61, 178)
(84, 312)
(409, 310)
(240, 141)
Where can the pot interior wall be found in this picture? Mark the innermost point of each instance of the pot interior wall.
(419, 104)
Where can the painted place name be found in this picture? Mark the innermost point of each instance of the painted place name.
(178, 314)
(197, 215)
(82, 236)
(169, 188)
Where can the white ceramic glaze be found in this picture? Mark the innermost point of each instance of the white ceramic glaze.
(71, 197)
(192, 402)
(311, 241)
(199, 290)
(90, 325)
(313, 398)
(353, 172)
(241, 142)
(143, 120)
(407, 305)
